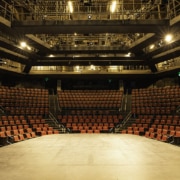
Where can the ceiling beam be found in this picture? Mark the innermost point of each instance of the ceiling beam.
(89, 62)
(90, 26)
(170, 55)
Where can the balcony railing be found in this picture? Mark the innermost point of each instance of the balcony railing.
(97, 10)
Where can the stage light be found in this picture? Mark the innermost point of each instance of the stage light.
(29, 48)
(89, 16)
(168, 38)
(113, 7)
(152, 46)
(23, 44)
(128, 54)
(70, 5)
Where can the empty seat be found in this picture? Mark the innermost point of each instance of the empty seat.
(164, 138)
(171, 128)
(159, 137)
(177, 134)
(136, 132)
(159, 131)
(147, 134)
(96, 131)
(152, 135)
(2, 134)
(33, 134)
(165, 132)
(90, 131)
(130, 128)
(151, 130)
(21, 137)
(16, 138)
(123, 131)
(26, 126)
(129, 131)
(49, 132)
(21, 131)
(50, 128)
(24, 122)
(8, 133)
(28, 136)
(172, 133)
(20, 126)
(15, 132)
(166, 127)
(56, 132)
(83, 131)
(177, 128)
(14, 127)
(42, 133)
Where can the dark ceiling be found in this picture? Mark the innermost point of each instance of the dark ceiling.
(90, 34)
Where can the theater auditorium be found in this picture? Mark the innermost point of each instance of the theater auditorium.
(89, 89)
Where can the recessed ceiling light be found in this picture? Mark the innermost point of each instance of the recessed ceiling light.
(51, 55)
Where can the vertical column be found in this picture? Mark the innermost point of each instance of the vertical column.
(58, 85)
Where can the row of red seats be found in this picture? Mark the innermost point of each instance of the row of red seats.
(163, 128)
(76, 129)
(21, 89)
(90, 105)
(96, 131)
(145, 102)
(93, 120)
(17, 135)
(172, 136)
(40, 131)
(89, 125)
(93, 99)
(24, 103)
(157, 121)
(14, 127)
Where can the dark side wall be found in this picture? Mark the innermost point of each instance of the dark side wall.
(106, 83)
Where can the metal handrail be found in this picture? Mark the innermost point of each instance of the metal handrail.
(55, 121)
(56, 10)
(125, 120)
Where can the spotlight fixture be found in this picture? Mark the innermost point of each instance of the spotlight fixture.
(29, 48)
(89, 16)
(168, 38)
(77, 68)
(113, 7)
(128, 54)
(152, 46)
(23, 44)
(70, 5)
(92, 67)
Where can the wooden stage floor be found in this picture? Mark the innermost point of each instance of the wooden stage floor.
(90, 157)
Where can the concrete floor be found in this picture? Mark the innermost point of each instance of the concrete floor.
(90, 157)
